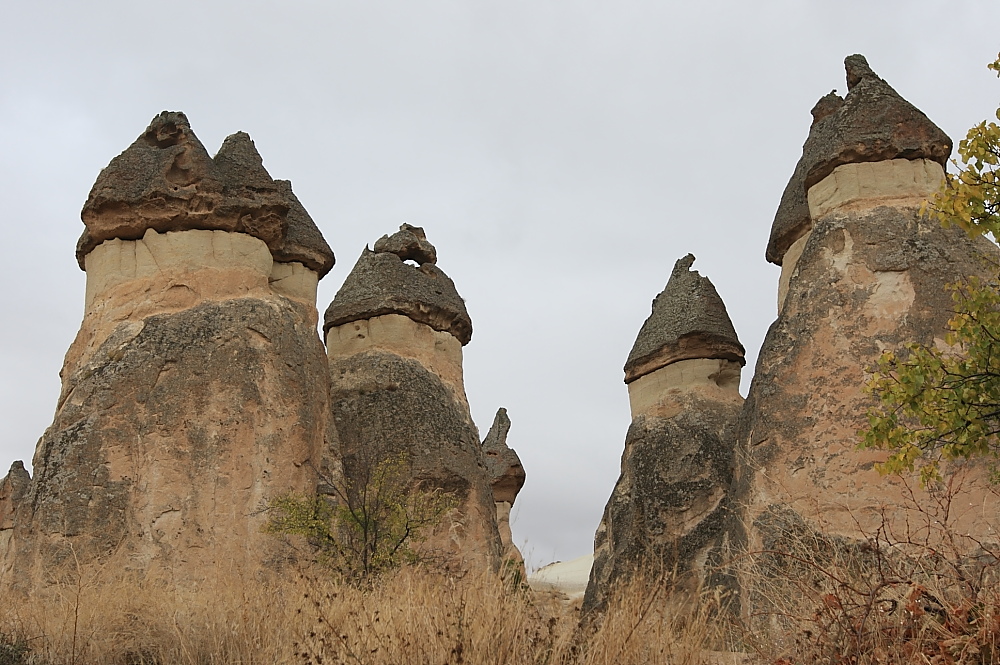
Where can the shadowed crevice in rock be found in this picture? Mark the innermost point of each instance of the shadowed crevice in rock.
(688, 320)
(166, 181)
(871, 123)
(382, 283)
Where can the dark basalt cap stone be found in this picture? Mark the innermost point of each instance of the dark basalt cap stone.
(166, 181)
(409, 242)
(503, 464)
(689, 320)
(872, 123)
(381, 283)
(303, 241)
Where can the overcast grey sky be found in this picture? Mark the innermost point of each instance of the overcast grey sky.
(560, 154)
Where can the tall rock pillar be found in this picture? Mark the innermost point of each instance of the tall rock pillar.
(861, 271)
(394, 335)
(197, 387)
(507, 477)
(671, 509)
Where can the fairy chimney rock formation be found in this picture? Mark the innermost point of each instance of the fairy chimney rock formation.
(870, 145)
(671, 505)
(394, 335)
(197, 387)
(862, 271)
(507, 479)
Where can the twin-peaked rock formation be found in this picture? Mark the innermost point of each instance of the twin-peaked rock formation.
(198, 388)
(670, 509)
(861, 271)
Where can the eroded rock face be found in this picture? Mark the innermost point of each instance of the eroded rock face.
(13, 487)
(869, 275)
(196, 389)
(872, 123)
(166, 181)
(507, 478)
(395, 333)
(671, 509)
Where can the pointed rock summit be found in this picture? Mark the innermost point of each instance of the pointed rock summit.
(872, 123)
(689, 320)
(166, 181)
(382, 283)
(507, 478)
(502, 462)
(13, 487)
(671, 508)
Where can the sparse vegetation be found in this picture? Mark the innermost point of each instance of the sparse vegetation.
(370, 525)
(413, 615)
(936, 404)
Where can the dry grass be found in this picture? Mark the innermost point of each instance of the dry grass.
(412, 616)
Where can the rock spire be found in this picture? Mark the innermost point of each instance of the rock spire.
(507, 479)
(671, 507)
(197, 388)
(394, 336)
(861, 271)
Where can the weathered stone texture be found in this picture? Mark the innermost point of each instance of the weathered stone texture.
(502, 462)
(671, 510)
(13, 487)
(871, 124)
(699, 329)
(382, 283)
(385, 406)
(866, 281)
(166, 181)
(171, 435)
(507, 478)
(394, 339)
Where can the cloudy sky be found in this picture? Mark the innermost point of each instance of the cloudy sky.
(561, 155)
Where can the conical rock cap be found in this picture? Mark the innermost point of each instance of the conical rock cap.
(689, 320)
(382, 283)
(872, 123)
(166, 181)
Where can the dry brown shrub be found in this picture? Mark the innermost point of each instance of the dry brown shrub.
(914, 591)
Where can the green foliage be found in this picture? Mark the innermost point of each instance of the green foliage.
(936, 404)
(369, 526)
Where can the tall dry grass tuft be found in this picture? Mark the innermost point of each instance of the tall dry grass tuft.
(411, 616)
